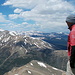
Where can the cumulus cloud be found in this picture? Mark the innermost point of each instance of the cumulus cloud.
(18, 10)
(13, 16)
(24, 23)
(45, 13)
(3, 19)
(22, 3)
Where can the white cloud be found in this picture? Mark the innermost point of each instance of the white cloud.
(13, 16)
(18, 10)
(22, 3)
(3, 19)
(24, 23)
(46, 13)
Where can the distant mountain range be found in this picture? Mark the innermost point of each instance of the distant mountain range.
(57, 40)
(18, 49)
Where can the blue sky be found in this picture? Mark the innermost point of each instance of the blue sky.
(35, 15)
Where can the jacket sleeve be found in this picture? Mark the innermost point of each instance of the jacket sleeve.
(69, 46)
(71, 42)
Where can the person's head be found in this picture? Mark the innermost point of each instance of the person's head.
(70, 20)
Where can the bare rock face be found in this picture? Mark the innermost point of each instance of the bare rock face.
(36, 68)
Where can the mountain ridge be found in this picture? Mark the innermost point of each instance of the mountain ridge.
(36, 68)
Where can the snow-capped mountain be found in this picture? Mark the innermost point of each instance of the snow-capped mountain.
(58, 40)
(14, 47)
(7, 37)
(17, 50)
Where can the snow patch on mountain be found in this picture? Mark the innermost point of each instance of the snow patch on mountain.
(52, 35)
(16, 74)
(42, 64)
(6, 39)
(2, 30)
(54, 68)
(1, 37)
(58, 38)
(13, 33)
(36, 44)
(29, 72)
(31, 64)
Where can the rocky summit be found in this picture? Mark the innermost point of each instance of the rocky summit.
(36, 68)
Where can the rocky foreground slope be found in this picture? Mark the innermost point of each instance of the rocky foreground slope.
(36, 68)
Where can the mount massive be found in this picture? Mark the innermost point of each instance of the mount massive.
(18, 49)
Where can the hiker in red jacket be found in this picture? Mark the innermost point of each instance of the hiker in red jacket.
(70, 20)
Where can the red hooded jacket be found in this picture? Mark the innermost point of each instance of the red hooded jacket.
(71, 39)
